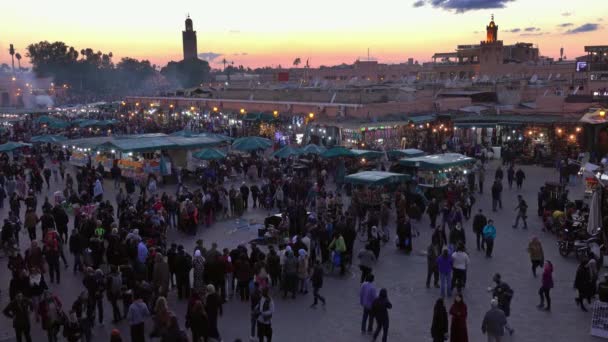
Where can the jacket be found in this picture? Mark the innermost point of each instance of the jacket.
(535, 249)
(366, 258)
(489, 232)
(367, 295)
(444, 263)
(479, 221)
(494, 322)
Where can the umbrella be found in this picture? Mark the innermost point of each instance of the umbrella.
(12, 145)
(249, 144)
(286, 152)
(313, 149)
(209, 154)
(48, 138)
(338, 151)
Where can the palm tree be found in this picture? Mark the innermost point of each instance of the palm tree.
(11, 51)
(18, 56)
(224, 61)
(297, 62)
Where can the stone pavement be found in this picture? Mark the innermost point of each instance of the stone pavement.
(403, 276)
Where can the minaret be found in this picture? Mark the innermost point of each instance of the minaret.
(491, 31)
(189, 41)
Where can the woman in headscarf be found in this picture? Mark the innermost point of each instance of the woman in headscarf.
(439, 327)
(303, 270)
(458, 311)
(535, 249)
(198, 266)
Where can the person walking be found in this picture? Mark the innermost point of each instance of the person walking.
(519, 178)
(433, 210)
(479, 222)
(137, 314)
(496, 194)
(460, 264)
(444, 264)
(503, 293)
(535, 250)
(494, 322)
(19, 311)
(380, 308)
(546, 286)
(367, 295)
(317, 283)
(489, 235)
(366, 260)
(510, 176)
(439, 326)
(458, 328)
(432, 253)
(266, 310)
(583, 285)
(522, 210)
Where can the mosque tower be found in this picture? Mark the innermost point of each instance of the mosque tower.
(189, 41)
(491, 31)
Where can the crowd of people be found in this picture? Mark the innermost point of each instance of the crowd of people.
(124, 253)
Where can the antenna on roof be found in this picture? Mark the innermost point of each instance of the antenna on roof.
(368, 55)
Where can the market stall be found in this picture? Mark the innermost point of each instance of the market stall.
(437, 170)
(376, 178)
(406, 153)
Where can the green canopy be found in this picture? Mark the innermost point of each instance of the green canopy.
(287, 152)
(48, 138)
(88, 123)
(437, 161)
(407, 153)
(59, 124)
(367, 153)
(209, 154)
(376, 178)
(12, 145)
(187, 133)
(45, 119)
(249, 144)
(338, 151)
(313, 149)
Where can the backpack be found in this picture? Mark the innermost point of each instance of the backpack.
(50, 243)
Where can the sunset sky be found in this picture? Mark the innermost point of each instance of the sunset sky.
(327, 32)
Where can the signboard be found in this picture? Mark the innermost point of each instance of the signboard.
(599, 320)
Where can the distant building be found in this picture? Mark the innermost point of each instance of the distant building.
(189, 41)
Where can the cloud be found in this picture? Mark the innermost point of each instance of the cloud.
(461, 6)
(532, 29)
(209, 56)
(419, 3)
(515, 30)
(565, 25)
(566, 14)
(533, 34)
(589, 27)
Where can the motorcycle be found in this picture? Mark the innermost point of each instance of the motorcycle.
(583, 248)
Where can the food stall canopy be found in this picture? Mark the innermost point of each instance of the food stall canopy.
(186, 133)
(209, 154)
(100, 123)
(48, 138)
(367, 153)
(249, 144)
(12, 145)
(193, 142)
(407, 153)
(437, 161)
(505, 120)
(376, 178)
(338, 151)
(594, 117)
(45, 119)
(59, 124)
(313, 149)
(287, 152)
(138, 145)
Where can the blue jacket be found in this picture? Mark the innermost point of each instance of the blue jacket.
(489, 232)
